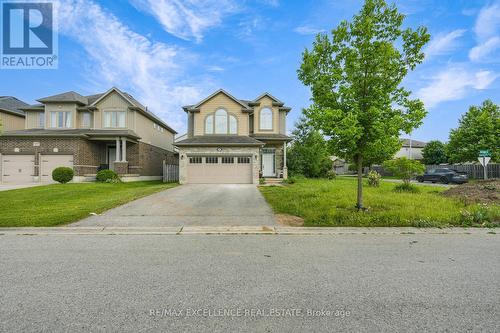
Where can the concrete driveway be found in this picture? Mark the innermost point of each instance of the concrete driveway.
(191, 205)
(8, 187)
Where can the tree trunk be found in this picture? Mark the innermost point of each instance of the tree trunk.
(359, 204)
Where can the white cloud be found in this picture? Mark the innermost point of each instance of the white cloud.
(483, 50)
(215, 68)
(308, 30)
(187, 19)
(443, 43)
(487, 29)
(454, 83)
(118, 56)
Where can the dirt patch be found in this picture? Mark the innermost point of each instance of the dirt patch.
(483, 191)
(289, 220)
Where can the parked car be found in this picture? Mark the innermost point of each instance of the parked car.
(443, 175)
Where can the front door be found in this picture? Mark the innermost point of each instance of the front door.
(111, 158)
(268, 167)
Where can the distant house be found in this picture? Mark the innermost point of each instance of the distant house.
(411, 149)
(339, 165)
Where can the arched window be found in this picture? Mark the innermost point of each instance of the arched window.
(266, 119)
(209, 124)
(220, 121)
(233, 125)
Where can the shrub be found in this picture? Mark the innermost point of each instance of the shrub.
(62, 174)
(480, 215)
(331, 174)
(374, 178)
(404, 168)
(406, 187)
(262, 181)
(291, 180)
(107, 176)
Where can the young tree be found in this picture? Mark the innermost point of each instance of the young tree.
(308, 154)
(434, 152)
(404, 168)
(478, 129)
(355, 79)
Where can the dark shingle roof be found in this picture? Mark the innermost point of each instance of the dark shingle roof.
(271, 137)
(12, 105)
(72, 133)
(69, 96)
(220, 140)
(414, 143)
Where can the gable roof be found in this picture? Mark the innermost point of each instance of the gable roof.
(414, 143)
(219, 91)
(12, 105)
(69, 96)
(271, 97)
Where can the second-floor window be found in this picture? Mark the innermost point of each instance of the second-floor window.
(41, 120)
(221, 123)
(86, 120)
(266, 119)
(61, 119)
(114, 119)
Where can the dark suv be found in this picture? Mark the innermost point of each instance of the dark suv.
(443, 175)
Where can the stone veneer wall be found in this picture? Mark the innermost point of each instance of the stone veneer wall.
(186, 151)
(86, 154)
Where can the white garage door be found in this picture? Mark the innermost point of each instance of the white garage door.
(50, 162)
(18, 169)
(219, 170)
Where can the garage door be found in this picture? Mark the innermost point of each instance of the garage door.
(18, 169)
(219, 170)
(50, 162)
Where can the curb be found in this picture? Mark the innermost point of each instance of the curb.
(239, 230)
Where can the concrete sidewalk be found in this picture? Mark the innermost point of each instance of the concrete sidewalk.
(239, 230)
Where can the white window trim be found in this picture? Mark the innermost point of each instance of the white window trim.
(261, 128)
(213, 118)
(66, 115)
(104, 112)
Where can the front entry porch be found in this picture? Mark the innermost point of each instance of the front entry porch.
(273, 160)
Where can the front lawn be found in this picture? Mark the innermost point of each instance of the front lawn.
(322, 202)
(57, 204)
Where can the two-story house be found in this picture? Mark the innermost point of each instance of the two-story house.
(11, 116)
(111, 130)
(231, 140)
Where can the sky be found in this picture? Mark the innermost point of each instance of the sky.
(169, 53)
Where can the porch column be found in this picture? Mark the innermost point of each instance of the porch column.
(285, 169)
(124, 150)
(117, 150)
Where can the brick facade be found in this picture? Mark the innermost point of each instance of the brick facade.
(143, 159)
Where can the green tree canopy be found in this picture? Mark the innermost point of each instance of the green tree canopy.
(308, 155)
(355, 78)
(434, 152)
(404, 168)
(478, 129)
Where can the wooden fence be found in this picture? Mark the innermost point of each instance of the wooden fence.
(474, 171)
(170, 172)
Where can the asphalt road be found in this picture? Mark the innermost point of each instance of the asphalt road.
(259, 283)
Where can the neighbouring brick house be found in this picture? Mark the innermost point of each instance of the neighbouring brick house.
(111, 130)
(231, 140)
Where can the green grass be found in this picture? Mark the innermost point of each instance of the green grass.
(52, 205)
(322, 202)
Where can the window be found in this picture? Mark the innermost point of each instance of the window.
(211, 159)
(195, 160)
(209, 125)
(227, 160)
(114, 119)
(41, 120)
(266, 119)
(233, 126)
(244, 160)
(61, 119)
(85, 120)
(220, 122)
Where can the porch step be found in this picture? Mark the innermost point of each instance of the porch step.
(273, 180)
